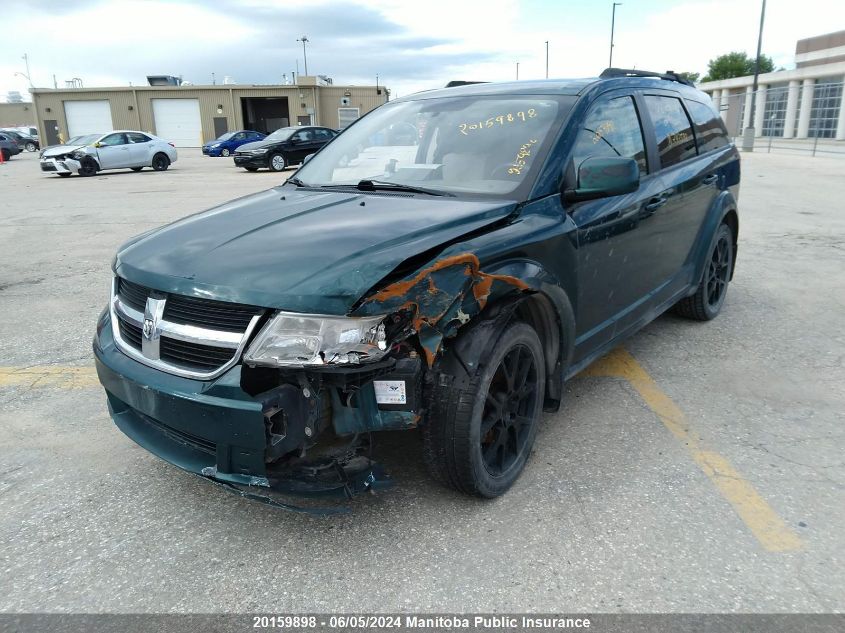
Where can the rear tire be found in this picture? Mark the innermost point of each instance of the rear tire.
(277, 162)
(706, 303)
(477, 439)
(6, 154)
(160, 162)
(64, 175)
(252, 169)
(30, 147)
(136, 168)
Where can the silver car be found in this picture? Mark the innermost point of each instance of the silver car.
(121, 149)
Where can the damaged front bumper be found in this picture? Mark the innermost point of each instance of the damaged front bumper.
(60, 166)
(306, 439)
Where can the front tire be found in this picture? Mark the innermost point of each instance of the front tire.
(88, 167)
(706, 303)
(160, 162)
(252, 169)
(136, 168)
(478, 437)
(277, 162)
(6, 154)
(224, 152)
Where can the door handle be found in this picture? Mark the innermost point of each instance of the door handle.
(709, 180)
(654, 204)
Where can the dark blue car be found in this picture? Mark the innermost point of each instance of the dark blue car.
(444, 264)
(230, 141)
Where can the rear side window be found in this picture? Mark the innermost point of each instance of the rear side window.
(137, 137)
(675, 141)
(323, 135)
(709, 129)
(611, 128)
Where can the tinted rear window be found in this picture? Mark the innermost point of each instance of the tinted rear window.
(709, 129)
(675, 141)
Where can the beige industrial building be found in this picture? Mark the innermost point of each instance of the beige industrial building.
(189, 115)
(805, 102)
(16, 114)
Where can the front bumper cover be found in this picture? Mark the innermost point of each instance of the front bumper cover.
(216, 430)
(252, 160)
(56, 166)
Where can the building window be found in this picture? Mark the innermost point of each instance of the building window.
(775, 113)
(827, 99)
(347, 116)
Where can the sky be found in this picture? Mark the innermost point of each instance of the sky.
(410, 44)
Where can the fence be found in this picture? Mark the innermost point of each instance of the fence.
(814, 114)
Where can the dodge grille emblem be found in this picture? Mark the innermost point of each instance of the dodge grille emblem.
(148, 328)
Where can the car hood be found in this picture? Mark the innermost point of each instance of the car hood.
(304, 251)
(58, 150)
(252, 145)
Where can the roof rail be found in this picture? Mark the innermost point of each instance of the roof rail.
(670, 75)
(455, 83)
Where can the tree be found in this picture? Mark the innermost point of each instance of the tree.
(736, 64)
(691, 77)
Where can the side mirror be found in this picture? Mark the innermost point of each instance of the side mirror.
(602, 177)
(98, 144)
(307, 158)
(294, 140)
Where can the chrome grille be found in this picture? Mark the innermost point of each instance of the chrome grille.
(186, 336)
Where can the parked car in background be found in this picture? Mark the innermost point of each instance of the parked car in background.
(24, 141)
(284, 147)
(121, 149)
(8, 146)
(444, 264)
(230, 141)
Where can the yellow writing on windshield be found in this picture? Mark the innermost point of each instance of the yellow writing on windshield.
(499, 120)
(520, 162)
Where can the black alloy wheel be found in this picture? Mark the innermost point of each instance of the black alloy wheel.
(479, 431)
(160, 162)
(88, 166)
(709, 297)
(510, 410)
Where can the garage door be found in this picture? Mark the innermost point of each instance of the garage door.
(88, 117)
(177, 121)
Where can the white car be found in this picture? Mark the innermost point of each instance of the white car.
(121, 149)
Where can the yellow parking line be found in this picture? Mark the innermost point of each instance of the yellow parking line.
(769, 529)
(49, 376)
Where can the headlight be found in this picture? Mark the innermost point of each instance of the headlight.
(262, 150)
(77, 155)
(216, 145)
(296, 340)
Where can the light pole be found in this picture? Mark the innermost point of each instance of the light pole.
(547, 59)
(304, 39)
(517, 71)
(749, 132)
(612, 28)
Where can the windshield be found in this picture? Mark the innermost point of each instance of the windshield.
(484, 145)
(84, 140)
(281, 135)
(226, 136)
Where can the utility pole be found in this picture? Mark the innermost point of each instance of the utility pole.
(304, 39)
(547, 59)
(517, 71)
(612, 28)
(749, 132)
(26, 61)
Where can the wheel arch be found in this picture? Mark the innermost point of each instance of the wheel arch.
(545, 306)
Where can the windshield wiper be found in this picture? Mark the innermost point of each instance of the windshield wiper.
(295, 181)
(376, 185)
